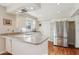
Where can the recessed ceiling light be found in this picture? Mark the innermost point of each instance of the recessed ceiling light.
(58, 3)
(32, 8)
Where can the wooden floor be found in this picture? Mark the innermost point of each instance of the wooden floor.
(55, 50)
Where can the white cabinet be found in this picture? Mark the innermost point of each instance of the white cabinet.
(2, 44)
(9, 45)
(18, 47)
(22, 48)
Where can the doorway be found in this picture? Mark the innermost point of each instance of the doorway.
(71, 34)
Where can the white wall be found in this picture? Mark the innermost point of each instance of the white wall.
(3, 14)
(45, 28)
(77, 31)
(5, 28)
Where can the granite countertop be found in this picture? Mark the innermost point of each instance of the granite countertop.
(34, 38)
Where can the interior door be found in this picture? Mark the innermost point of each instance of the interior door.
(71, 33)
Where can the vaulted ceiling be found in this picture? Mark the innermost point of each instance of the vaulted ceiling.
(46, 11)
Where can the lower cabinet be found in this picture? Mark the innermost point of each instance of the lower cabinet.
(17, 47)
(8, 45)
(2, 45)
(23, 48)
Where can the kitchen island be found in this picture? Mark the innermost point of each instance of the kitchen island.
(33, 43)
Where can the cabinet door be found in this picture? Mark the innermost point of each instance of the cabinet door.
(22, 48)
(9, 45)
(2, 44)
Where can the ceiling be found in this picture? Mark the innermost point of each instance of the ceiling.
(46, 11)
